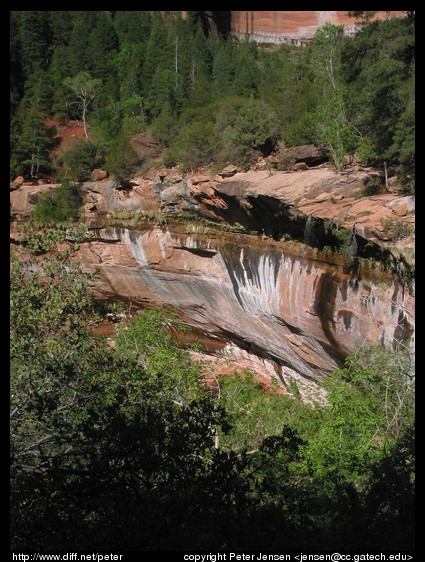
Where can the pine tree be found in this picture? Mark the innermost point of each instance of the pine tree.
(78, 48)
(224, 69)
(58, 71)
(61, 24)
(102, 43)
(334, 131)
(132, 26)
(159, 52)
(32, 150)
(309, 234)
(34, 36)
(16, 71)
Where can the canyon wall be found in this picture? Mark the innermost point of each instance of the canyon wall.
(292, 26)
(227, 252)
(301, 316)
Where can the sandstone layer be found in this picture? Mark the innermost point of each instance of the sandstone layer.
(292, 26)
(261, 299)
(299, 316)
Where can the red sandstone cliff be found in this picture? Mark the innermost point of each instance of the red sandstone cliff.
(282, 26)
(290, 311)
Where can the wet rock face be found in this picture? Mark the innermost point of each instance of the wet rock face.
(299, 314)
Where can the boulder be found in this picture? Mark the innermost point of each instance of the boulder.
(228, 171)
(89, 206)
(406, 203)
(17, 181)
(98, 174)
(309, 154)
(196, 179)
(300, 166)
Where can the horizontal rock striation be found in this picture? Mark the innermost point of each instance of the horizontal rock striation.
(301, 315)
(292, 26)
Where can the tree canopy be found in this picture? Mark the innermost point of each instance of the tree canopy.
(349, 94)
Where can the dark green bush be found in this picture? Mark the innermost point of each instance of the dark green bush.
(79, 160)
(61, 206)
(372, 186)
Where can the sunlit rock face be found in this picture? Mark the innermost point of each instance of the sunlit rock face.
(300, 315)
(292, 26)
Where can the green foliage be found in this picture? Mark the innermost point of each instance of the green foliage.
(254, 129)
(31, 152)
(30, 138)
(254, 414)
(349, 94)
(114, 448)
(378, 66)
(122, 159)
(334, 131)
(61, 206)
(372, 186)
(148, 341)
(34, 39)
(197, 144)
(371, 405)
(79, 159)
(84, 88)
(310, 237)
(396, 228)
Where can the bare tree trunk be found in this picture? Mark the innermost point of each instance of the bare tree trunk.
(177, 62)
(33, 154)
(216, 445)
(84, 120)
(386, 176)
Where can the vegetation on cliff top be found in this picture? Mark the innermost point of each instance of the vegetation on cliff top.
(207, 98)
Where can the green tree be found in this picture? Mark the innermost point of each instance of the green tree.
(372, 404)
(334, 130)
(223, 69)
(103, 43)
(35, 36)
(33, 148)
(61, 25)
(78, 160)
(165, 126)
(122, 160)
(31, 139)
(58, 72)
(61, 206)
(378, 65)
(197, 144)
(132, 26)
(254, 129)
(159, 53)
(85, 88)
(128, 63)
(78, 48)
(247, 75)
(16, 71)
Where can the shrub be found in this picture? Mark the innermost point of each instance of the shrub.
(310, 237)
(396, 229)
(255, 129)
(122, 160)
(198, 143)
(285, 161)
(61, 206)
(79, 159)
(372, 186)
